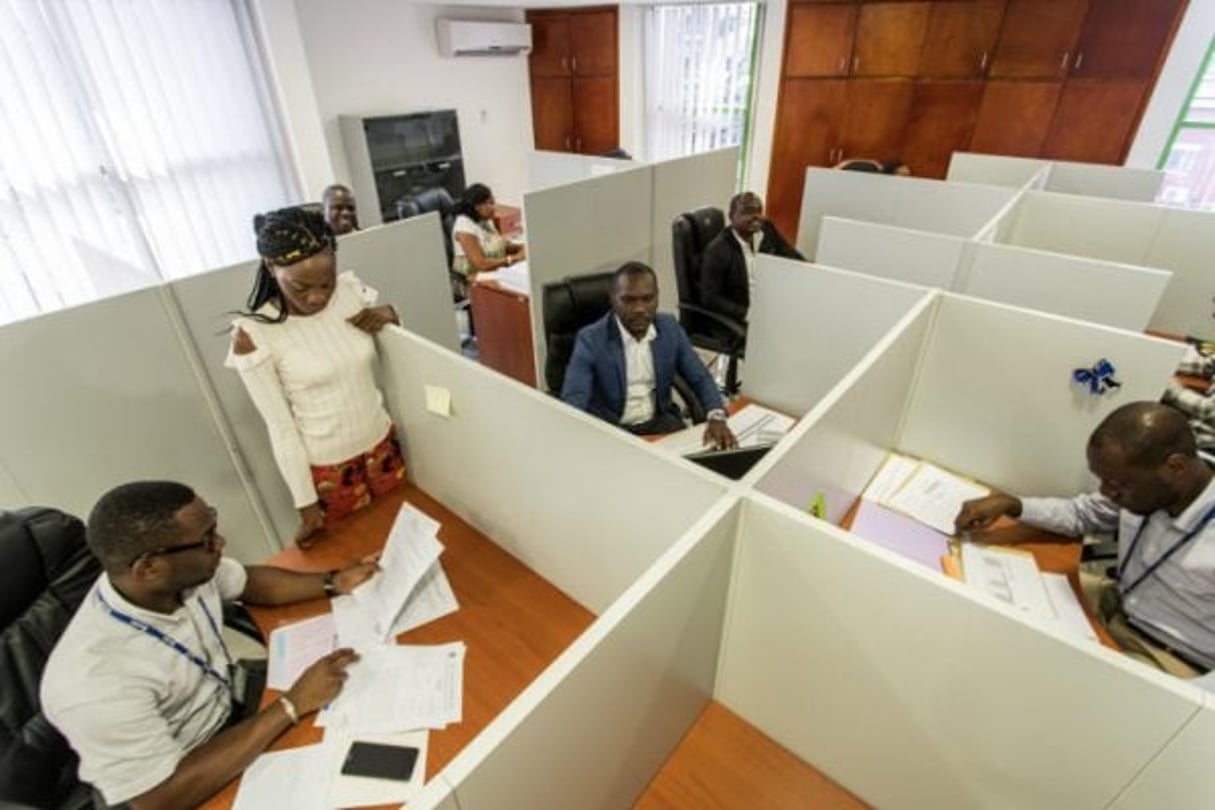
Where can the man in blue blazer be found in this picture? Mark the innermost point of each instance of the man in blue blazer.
(624, 364)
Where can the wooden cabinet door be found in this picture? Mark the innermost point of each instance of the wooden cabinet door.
(889, 37)
(818, 39)
(807, 116)
(961, 38)
(875, 118)
(553, 113)
(1015, 117)
(1038, 39)
(596, 113)
(593, 42)
(940, 123)
(1125, 38)
(1094, 121)
(550, 54)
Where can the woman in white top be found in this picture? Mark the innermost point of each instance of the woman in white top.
(477, 245)
(305, 352)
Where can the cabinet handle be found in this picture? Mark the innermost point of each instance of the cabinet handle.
(567, 143)
(1063, 64)
(1079, 61)
(565, 67)
(573, 64)
(578, 144)
(983, 61)
(856, 63)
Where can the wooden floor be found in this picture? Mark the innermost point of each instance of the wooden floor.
(513, 621)
(725, 762)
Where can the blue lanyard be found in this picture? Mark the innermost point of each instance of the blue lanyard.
(1163, 558)
(172, 643)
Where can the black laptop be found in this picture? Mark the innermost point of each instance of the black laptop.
(732, 464)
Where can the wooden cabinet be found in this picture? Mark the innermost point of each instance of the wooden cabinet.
(818, 41)
(1125, 38)
(1094, 120)
(807, 119)
(889, 38)
(1039, 39)
(573, 68)
(940, 122)
(961, 38)
(1014, 118)
(875, 118)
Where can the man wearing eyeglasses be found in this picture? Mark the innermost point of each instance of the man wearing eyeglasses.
(141, 683)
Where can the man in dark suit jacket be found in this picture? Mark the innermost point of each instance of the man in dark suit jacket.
(625, 363)
(726, 266)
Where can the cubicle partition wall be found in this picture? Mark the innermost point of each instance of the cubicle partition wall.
(1180, 776)
(893, 253)
(549, 169)
(996, 170)
(1087, 179)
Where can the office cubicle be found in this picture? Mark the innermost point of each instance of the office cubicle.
(1065, 177)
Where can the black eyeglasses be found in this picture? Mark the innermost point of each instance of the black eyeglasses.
(208, 544)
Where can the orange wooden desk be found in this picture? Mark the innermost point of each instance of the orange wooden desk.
(503, 323)
(514, 622)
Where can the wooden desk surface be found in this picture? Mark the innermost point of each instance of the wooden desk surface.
(514, 622)
(725, 762)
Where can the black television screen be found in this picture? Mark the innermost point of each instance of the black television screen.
(397, 141)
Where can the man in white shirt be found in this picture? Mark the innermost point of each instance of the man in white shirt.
(624, 364)
(1159, 497)
(141, 683)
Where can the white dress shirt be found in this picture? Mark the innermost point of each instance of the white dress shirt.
(749, 250)
(638, 376)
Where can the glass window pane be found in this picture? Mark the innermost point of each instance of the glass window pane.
(1190, 170)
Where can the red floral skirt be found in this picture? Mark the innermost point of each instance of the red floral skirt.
(349, 485)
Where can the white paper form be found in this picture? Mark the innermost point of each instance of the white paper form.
(295, 647)
(409, 553)
(934, 497)
(400, 688)
(1010, 576)
(753, 425)
(1071, 617)
(360, 791)
(893, 473)
(430, 600)
(297, 778)
(516, 278)
(355, 624)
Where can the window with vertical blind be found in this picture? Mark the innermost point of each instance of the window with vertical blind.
(137, 140)
(1189, 159)
(699, 76)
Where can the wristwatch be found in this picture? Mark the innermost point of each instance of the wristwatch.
(328, 584)
(716, 415)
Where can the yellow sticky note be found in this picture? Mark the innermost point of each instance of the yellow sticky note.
(438, 400)
(818, 507)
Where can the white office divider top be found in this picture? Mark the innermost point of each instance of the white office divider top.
(888, 252)
(107, 393)
(994, 170)
(595, 728)
(1185, 244)
(913, 691)
(585, 227)
(1111, 182)
(956, 209)
(403, 261)
(1113, 230)
(578, 501)
(809, 326)
(548, 169)
(994, 397)
(1105, 292)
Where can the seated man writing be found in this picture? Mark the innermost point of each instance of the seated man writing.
(141, 683)
(625, 363)
(1158, 496)
(727, 269)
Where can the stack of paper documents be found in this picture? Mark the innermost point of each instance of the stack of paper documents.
(753, 425)
(398, 688)
(921, 490)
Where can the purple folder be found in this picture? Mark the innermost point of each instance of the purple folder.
(903, 535)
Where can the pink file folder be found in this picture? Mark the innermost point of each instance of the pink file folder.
(903, 535)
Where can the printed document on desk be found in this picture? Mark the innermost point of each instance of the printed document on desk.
(516, 278)
(295, 778)
(361, 791)
(1008, 575)
(412, 549)
(934, 496)
(753, 425)
(893, 473)
(296, 647)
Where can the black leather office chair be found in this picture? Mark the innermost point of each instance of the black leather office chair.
(432, 199)
(575, 302)
(712, 331)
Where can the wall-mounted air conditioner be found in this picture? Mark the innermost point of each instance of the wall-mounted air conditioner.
(474, 38)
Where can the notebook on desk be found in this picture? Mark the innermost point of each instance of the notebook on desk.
(733, 464)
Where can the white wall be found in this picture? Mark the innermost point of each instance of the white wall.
(372, 57)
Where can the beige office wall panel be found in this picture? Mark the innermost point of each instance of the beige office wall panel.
(1180, 776)
(596, 726)
(913, 691)
(1109, 293)
(811, 325)
(682, 185)
(1109, 182)
(995, 400)
(585, 227)
(1185, 244)
(437, 794)
(957, 209)
(549, 169)
(846, 195)
(11, 495)
(891, 253)
(993, 170)
(586, 505)
(407, 263)
(837, 447)
(1112, 230)
(103, 394)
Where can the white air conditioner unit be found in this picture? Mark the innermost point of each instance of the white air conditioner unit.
(473, 38)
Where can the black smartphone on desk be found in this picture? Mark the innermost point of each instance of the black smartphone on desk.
(380, 761)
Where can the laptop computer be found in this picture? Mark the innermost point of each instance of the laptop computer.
(733, 464)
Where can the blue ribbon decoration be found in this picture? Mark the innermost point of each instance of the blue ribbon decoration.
(1099, 378)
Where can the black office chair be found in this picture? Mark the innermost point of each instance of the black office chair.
(712, 331)
(432, 199)
(575, 302)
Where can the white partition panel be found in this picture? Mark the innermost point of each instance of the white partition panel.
(581, 502)
(585, 227)
(1181, 775)
(596, 727)
(913, 691)
(1111, 182)
(994, 170)
(848, 195)
(102, 394)
(1088, 289)
(809, 326)
(548, 169)
(407, 263)
(836, 448)
(1185, 244)
(960, 209)
(681, 185)
(995, 400)
(898, 254)
(1113, 230)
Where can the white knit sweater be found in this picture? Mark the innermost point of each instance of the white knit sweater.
(312, 379)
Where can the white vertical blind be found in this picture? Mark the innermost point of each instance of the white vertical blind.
(698, 76)
(137, 140)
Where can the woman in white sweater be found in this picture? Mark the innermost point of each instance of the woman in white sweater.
(305, 352)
